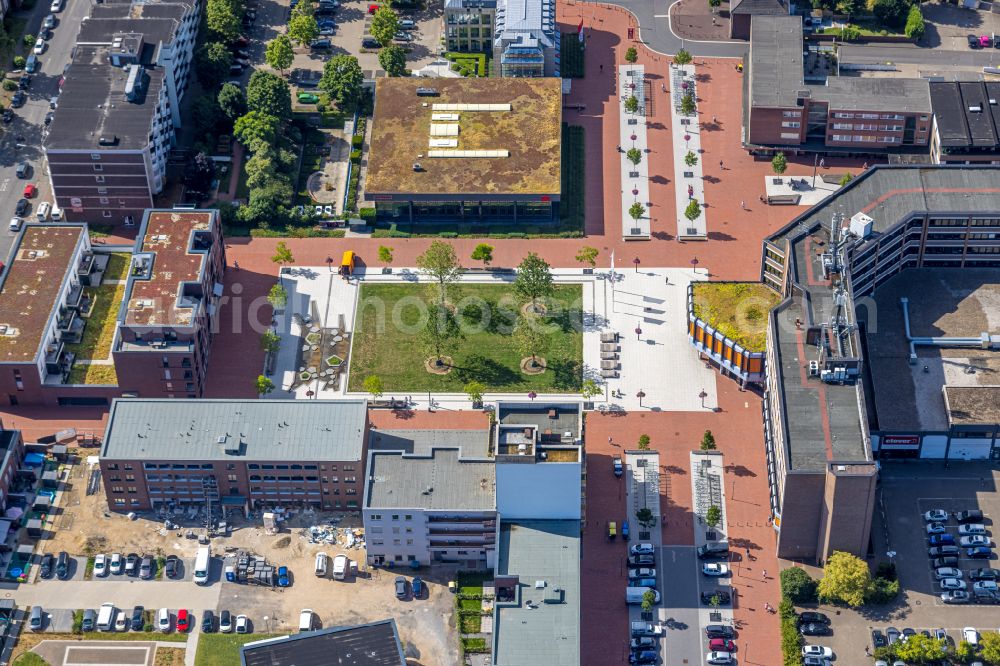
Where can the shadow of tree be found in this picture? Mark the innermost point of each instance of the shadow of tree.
(739, 470)
(486, 370)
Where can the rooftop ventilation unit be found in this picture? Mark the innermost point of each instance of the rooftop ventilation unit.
(107, 140)
(427, 92)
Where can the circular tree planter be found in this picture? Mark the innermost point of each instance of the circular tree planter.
(432, 366)
(529, 369)
(334, 361)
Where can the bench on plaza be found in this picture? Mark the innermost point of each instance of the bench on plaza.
(783, 199)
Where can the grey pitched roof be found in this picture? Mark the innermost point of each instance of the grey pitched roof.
(170, 429)
(372, 644)
(759, 7)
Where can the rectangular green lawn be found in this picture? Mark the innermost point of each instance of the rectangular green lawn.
(224, 649)
(486, 353)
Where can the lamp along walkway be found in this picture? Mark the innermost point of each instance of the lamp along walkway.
(632, 136)
(690, 184)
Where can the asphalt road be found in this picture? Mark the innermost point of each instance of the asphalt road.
(679, 571)
(124, 593)
(851, 53)
(655, 32)
(29, 122)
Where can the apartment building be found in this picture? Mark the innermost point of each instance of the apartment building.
(161, 34)
(844, 115)
(170, 309)
(469, 25)
(966, 122)
(526, 39)
(253, 454)
(11, 460)
(828, 412)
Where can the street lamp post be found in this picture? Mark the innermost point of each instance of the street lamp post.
(694, 265)
(641, 394)
(636, 262)
(329, 263)
(638, 333)
(532, 395)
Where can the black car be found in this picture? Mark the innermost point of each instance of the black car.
(320, 44)
(720, 631)
(48, 118)
(969, 516)
(172, 567)
(45, 570)
(22, 207)
(720, 595)
(949, 561)
(131, 564)
(138, 618)
(62, 565)
(878, 639)
(973, 41)
(8, 116)
(207, 622)
(642, 560)
(985, 574)
(908, 633)
(370, 43)
(18, 99)
(24, 82)
(812, 617)
(814, 629)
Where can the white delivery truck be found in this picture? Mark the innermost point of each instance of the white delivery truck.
(201, 564)
(106, 617)
(340, 563)
(633, 595)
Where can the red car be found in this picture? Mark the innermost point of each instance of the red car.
(716, 645)
(30, 191)
(183, 621)
(372, 9)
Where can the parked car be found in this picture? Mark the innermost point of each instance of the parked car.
(23, 169)
(8, 116)
(45, 33)
(163, 620)
(121, 621)
(56, 6)
(969, 516)
(207, 621)
(970, 635)
(813, 617)
(643, 582)
(955, 597)
(89, 618)
(37, 618)
(974, 540)
(30, 190)
(643, 657)
(45, 567)
(327, 30)
(242, 624)
(952, 584)
(24, 82)
(400, 587)
(21, 207)
(172, 568)
(721, 596)
(131, 564)
(320, 44)
(973, 41)
(938, 551)
(407, 24)
(878, 638)
(971, 528)
(642, 572)
(370, 43)
(720, 631)
(814, 629)
(817, 651)
(116, 564)
(18, 99)
(101, 565)
(981, 586)
(31, 64)
(908, 634)
(815, 661)
(49, 21)
(39, 47)
(984, 574)
(643, 643)
(307, 98)
(15, 224)
(936, 528)
(716, 569)
(225, 621)
(718, 658)
(647, 559)
(418, 587)
(947, 572)
(947, 561)
(641, 549)
(183, 621)
(721, 645)
(401, 36)
(138, 618)
(147, 568)
(62, 565)
(979, 553)
(941, 540)
(283, 580)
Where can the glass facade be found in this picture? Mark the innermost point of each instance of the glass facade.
(471, 211)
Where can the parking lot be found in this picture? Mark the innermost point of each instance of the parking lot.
(947, 26)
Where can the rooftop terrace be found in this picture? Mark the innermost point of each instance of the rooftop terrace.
(154, 296)
(529, 132)
(38, 267)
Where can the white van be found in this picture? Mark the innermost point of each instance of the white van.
(15, 224)
(106, 617)
(201, 565)
(43, 211)
(121, 621)
(634, 595)
(56, 213)
(306, 620)
(340, 567)
(321, 563)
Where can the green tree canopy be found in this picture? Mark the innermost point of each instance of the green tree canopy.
(631, 54)
(846, 579)
(270, 341)
(212, 63)
(282, 254)
(475, 390)
(223, 19)
(634, 155)
(373, 386)
(232, 101)
(631, 104)
(688, 105)
(256, 130)
(798, 585)
(484, 253)
(528, 339)
(713, 516)
(890, 12)
(708, 441)
(264, 385)
(278, 297)
(690, 159)
(636, 211)
(590, 389)
(779, 163)
(393, 60)
(682, 57)
(920, 649)
(279, 53)
(534, 279)
(587, 255)
(385, 254)
(440, 332)
(269, 93)
(693, 210)
(989, 641)
(644, 442)
(440, 262)
(915, 23)
(385, 25)
(342, 79)
(303, 28)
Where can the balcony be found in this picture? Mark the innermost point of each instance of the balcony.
(488, 522)
(70, 326)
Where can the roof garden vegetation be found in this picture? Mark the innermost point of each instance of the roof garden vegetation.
(102, 375)
(736, 309)
(387, 341)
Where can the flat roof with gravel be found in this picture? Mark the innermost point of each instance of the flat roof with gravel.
(172, 429)
(521, 132)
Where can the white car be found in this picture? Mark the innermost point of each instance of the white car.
(935, 528)
(975, 540)
(15, 224)
(985, 586)
(970, 635)
(952, 584)
(936, 516)
(972, 528)
(318, 210)
(328, 210)
(121, 621)
(947, 572)
(715, 569)
(242, 624)
(644, 572)
(39, 46)
(641, 549)
(101, 565)
(718, 658)
(163, 620)
(56, 6)
(117, 563)
(817, 651)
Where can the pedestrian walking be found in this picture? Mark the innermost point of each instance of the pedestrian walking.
(822, 164)
(721, 168)
(743, 205)
(602, 67)
(236, 265)
(765, 574)
(714, 120)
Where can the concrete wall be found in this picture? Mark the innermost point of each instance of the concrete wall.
(801, 513)
(848, 505)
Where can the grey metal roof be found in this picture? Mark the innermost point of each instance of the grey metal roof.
(546, 633)
(171, 429)
(519, 18)
(438, 470)
(103, 30)
(776, 75)
(759, 7)
(372, 644)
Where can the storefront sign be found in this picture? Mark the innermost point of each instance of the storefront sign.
(900, 442)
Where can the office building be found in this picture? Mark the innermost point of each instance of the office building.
(250, 454)
(466, 150)
(741, 12)
(526, 39)
(966, 122)
(828, 412)
(469, 25)
(842, 115)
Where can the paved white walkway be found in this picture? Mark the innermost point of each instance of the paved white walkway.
(686, 135)
(632, 134)
(659, 362)
(809, 195)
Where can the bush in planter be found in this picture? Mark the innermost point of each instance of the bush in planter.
(367, 214)
(9, 85)
(19, 62)
(357, 140)
(355, 156)
(798, 585)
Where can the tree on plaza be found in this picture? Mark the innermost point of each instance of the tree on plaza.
(270, 341)
(269, 93)
(212, 63)
(393, 60)
(385, 25)
(342, 79)
(634, 155)
(688, 105)
(636, 210)
(304, 8)
(713, 516)
(279, 53)
(528, 339)
(264, 385)
(223, 19)
(798, 585)
(645, 517)
(385, 255)
(921, 649)
(692, 211)
(475, 391)
(440, 262)
(631, 54)
(631, 104)
(373, 386)
(303, 28)
(690, 159)
(534, 280)
(484, 253)
(590, 388)
(587, 255)
(232, 101)
(643, 442)
(282, 255)
(199, 175)
(277, 297)
(708, 441)
(256, 130)
(682, 57)
(779, 163)
(648, 600)
(440, 332)
(846, 579)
